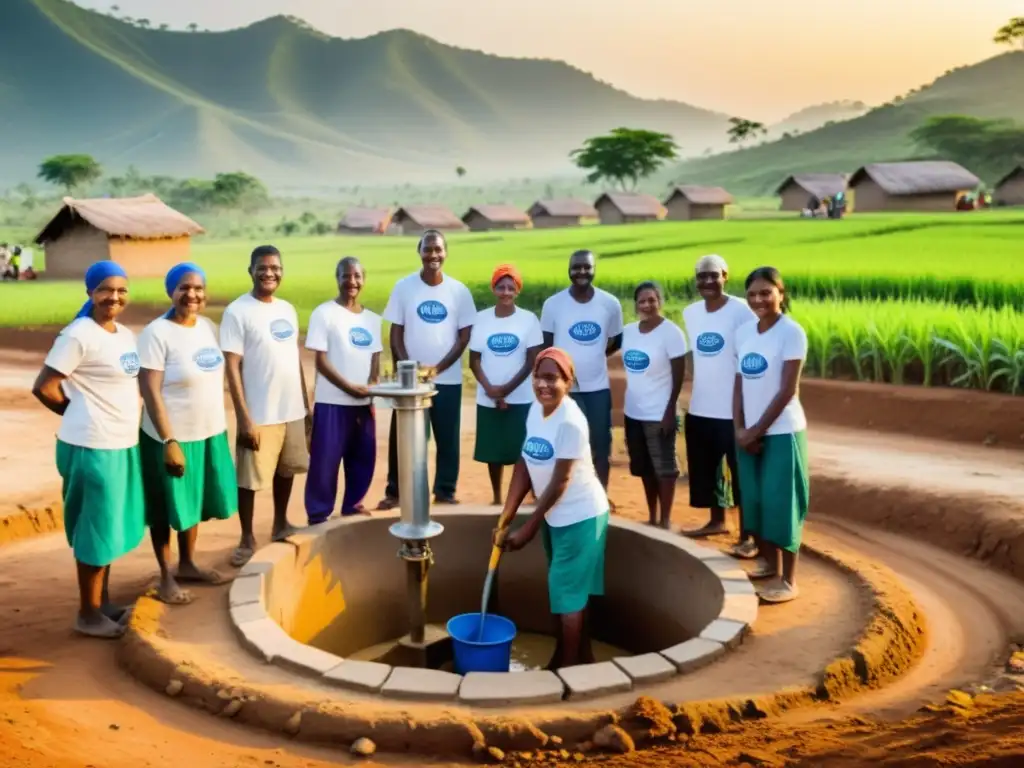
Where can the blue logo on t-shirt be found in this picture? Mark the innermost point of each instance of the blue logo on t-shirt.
(585, 332)
(360, 337)
(431, 311)
(503, 343)
(130, 363)
(282, 330)
(538, 449)
(753, 365)
(710, 343)
(636, 360)
(208, 359)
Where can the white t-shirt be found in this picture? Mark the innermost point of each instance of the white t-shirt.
(563, 435)
(266, 335)
(761, 357)
(502, 343)
(102, 371)
(432, 316)
(712, 338)
(193, 386)
(647, 358)
(350, 341)
(583, 330)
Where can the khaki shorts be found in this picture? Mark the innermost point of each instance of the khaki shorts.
(282, 451)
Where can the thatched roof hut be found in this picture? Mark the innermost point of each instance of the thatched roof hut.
(920, 185)
(481, 218)
(796, 190)
(365, 221)
(628, 208)
(689, 202)
(560, 212)
(413, 219)
(1010, 189)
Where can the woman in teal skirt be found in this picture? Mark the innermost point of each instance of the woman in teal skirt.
(572, 507)
(771, 434)
(90, 379)
(504, 343)
(187, 469)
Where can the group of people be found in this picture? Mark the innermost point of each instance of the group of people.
(15, 263)
(543, 406)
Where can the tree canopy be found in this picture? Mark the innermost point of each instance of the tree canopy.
(989, 148)
(624, 156)
(1011, 33)
(69, 171)
(741, 129)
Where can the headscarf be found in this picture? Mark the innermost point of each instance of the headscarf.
(507, 270)
(560, 358)
(94, 277)
(174, 276)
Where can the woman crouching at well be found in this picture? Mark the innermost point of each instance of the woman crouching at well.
(572, 507)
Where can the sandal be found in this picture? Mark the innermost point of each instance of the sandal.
(388, 503)
(451, 500)
(745, 550)
(711, 529)
(782, 592)
(241, 556)
(761, 571)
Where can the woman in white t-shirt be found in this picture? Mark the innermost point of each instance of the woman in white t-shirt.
(771, 434)
(90, 379)
(654, 358)
(502, 347)
(572, 507)
(187, 471)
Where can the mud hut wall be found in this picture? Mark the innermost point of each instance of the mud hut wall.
(870, 197)
(1012, 192)
(477, 222)
(706, 211)
(609, 213)
(546, 221)
(74, 251)
(793, 198)
(678, 208)
(149, 258)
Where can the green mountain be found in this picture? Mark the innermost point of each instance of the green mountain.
(817, 115)
(990, 89)
(291, 105)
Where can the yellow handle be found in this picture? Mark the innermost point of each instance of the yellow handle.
(495, 557)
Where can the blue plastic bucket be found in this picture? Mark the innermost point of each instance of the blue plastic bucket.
(490, 653)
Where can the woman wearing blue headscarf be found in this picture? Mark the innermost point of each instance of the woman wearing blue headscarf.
(187, 470)
(90, 378)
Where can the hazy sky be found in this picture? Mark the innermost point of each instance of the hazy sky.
(761, 59)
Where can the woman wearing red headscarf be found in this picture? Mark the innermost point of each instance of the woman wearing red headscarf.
(504, 343)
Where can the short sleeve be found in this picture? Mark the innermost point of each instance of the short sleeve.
(534, 337)
(615, 321)
(547, 316)
(572, 441)
(66, 354)
(675, 343)
(394, 312)
(152, 349)
(476, 336)
(316, 333)
(794, 346)
(232, 335)
(466, 308)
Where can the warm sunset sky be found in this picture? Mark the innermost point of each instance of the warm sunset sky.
(756, 58)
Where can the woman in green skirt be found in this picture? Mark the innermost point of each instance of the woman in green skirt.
(771, 434)
(187, 469)
(572, 507)
(90, 378)
(503, 345)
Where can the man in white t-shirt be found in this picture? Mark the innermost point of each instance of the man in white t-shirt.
(586, 322)
(259, 335)
(711, 326)
(431, 316)
(346, 338)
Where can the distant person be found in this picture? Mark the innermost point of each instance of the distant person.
(587, 323)
(771, 434)
(502, 347)
(431, 316)
(711, 326)
(346, 338)
(654, 357)
(15, 262)
(90, 379)
(259, 334)
(187, 471)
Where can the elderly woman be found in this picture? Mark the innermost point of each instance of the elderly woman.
(502, 347)
(187, 470)
(572, 507)
(90, 379)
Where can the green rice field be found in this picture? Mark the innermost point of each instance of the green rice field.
(927, 299)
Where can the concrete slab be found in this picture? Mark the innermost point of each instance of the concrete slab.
(267, 557)
(740, 608)
(586, 681)
(421, 684)
(243, 614)
(738, 586)
(264, 638)
(247, 589)
(728, 633)
(646, 668)
(305, 659)
(366, 676)
(497, 689)
(693, 654)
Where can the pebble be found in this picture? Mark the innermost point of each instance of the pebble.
(232, 708)
(363, 747)
(174, 687)
(614, 739)
(292, 725)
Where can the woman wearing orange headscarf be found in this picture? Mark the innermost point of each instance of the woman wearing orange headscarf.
(572, 507)
(502, 348)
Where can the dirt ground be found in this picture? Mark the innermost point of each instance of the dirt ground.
(894, 477)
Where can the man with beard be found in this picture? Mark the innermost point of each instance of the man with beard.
(586, 322)
(259, 335)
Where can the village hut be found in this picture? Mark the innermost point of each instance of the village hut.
(797, 190)
(628, 208)
(562, 212)
(365, 221)
(1010, 189)
(142, 234)
(688, 202)
(413, 219)
(914, 186)
(481, 218)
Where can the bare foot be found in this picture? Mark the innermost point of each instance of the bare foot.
(242, 555)
(99, 626)
(284, 533)
(190, 573)
(170, 593)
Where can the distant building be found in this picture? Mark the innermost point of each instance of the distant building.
(563, 212)
(365, 221)
(481, 218)
(691, 203)
(628, 208)
(797, 190)
(142, 234)
(413, 219)
(1010, 189)
(922, 185)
